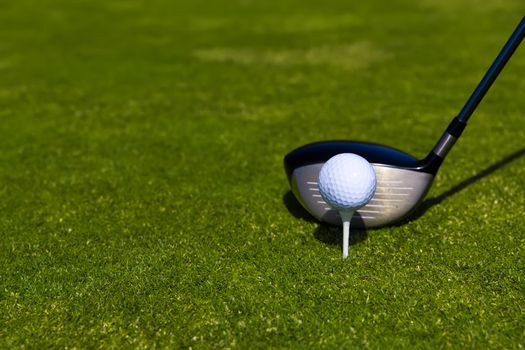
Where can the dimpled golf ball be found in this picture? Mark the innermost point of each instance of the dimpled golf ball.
(347, 181)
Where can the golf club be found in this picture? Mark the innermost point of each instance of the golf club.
(402, 180)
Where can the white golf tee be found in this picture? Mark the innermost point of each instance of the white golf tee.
(346, 217)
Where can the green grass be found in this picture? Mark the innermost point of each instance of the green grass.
(142, 188)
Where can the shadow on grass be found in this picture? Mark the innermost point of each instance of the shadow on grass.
(296, 209)
(334, 235)
(324, 233)
(430, 202)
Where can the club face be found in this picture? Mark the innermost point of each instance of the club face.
(401, 184)
(398, 192)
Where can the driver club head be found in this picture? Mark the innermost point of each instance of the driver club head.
(402, 181)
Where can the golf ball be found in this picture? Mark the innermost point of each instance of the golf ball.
(347, 181)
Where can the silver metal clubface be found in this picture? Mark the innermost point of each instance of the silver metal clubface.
(398, 192)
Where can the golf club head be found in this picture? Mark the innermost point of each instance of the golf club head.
(402, 181)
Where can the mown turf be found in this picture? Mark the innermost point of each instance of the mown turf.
(144, 203)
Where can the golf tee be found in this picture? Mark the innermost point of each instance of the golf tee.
(346, 217)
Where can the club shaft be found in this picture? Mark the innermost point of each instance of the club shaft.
(493, 72)
(434, 159)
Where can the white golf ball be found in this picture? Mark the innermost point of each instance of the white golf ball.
(347, 181)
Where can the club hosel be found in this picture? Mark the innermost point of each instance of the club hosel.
(449, 138)
(431, 163)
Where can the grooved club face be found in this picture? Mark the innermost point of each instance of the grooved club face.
(402, 181)
(398, 192)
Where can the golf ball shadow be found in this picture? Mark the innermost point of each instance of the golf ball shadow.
(330, 234)
(325, 233)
